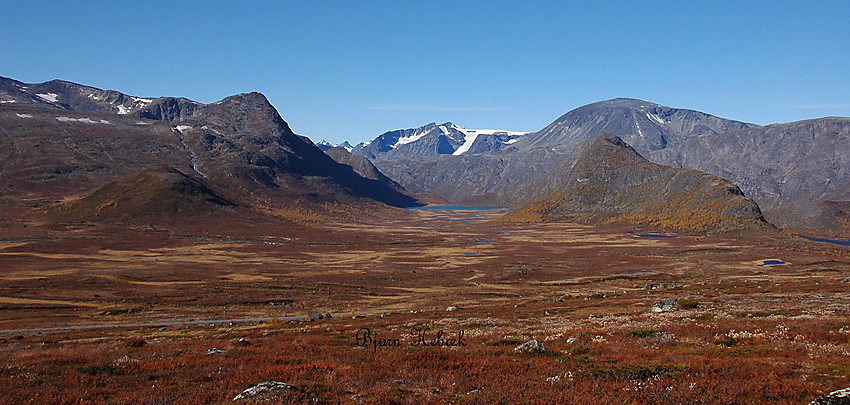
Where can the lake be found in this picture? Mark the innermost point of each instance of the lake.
(833, 241)
(455, 207)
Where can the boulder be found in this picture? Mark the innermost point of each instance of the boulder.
(532, 346)
(666, 305)
(276, 392)
(840, 397)
(595, 295)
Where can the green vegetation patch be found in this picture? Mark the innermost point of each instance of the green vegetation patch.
(643, 333)
(638, 371)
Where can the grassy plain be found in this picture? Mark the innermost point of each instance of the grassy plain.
(743, 333)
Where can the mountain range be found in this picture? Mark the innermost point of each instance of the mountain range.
(61, 140)
(797, 172)
(433, 140)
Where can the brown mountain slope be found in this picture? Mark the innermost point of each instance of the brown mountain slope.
(155, 192)
(361, 165)
(610, 182)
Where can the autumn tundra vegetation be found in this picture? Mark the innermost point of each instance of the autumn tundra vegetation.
(732, 329)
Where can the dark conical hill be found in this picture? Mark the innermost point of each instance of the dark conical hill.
(610, 182)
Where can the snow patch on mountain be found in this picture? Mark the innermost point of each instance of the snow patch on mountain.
(49, 97)
(468, 140)
(82, 120)
(656, 118)
(470, 135)
(417, 135)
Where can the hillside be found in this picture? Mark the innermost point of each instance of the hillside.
(610, 182)
(154, 192)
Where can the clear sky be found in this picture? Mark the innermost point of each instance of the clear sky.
(350, 70)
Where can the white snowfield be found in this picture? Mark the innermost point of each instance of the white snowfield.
(49, 97)
(470, 135)
(182, 128)
(82, 120)
(417, 135)
(24, 115)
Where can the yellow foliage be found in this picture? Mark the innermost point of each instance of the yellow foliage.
(535, 212)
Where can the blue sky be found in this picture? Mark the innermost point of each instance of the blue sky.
(351, 70)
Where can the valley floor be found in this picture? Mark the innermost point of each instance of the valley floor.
(743, 332)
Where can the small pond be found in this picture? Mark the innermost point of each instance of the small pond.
(655, 235)
(771, 262)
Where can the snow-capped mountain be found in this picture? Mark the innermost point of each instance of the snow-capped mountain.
(347, 146)
(326, 146)
(433, 139)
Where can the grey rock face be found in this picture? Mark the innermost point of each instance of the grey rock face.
(170, 109)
